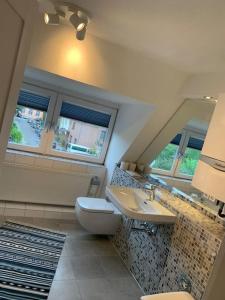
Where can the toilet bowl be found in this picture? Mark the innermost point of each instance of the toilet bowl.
(97, 215)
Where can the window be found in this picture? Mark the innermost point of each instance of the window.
(180, 157)
(32, 114)
(79, 130)
(165, 160)
(61, 126)
(189, 159)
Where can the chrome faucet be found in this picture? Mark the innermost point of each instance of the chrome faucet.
(151, 190)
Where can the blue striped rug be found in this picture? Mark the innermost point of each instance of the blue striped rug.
(28, 261)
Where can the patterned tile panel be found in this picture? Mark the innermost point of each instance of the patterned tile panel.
(188, 248)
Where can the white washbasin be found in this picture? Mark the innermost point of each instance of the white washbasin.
(169, 296)
(135, 204)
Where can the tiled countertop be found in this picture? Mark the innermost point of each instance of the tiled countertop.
(196, 214)
(178, 206)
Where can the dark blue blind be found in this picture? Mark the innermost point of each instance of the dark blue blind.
(84, 114)
(195, 143)
(176, 140)
(32, 100)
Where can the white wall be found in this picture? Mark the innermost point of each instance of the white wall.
(130, 120)
(204, 84)
(114, 69)
(31, 179)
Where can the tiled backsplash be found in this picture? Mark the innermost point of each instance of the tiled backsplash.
(188, 248)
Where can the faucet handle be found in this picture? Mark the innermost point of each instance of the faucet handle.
(150, 186)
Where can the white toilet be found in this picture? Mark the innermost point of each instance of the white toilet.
(97, 215)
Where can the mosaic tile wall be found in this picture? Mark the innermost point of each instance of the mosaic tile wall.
(145, 256)
(188, 248)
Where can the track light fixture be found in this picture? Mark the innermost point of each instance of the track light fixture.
(79, 20)
(54, 19)
(51, 19)
(76, 15)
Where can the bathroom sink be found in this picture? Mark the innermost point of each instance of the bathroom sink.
(135, 204)
(169, 296)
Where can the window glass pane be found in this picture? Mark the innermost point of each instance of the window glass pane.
(166, 158)
(27, 127)
(72, 136)
(195, 143)
(85, 114)
(191, 157)
(177, 139)
(32, 100)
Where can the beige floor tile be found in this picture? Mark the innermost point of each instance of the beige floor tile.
(104, 289)
(64, 269)
(89, 268)
(64, 290)
(125, 288)
(94, 289)
(113, 267)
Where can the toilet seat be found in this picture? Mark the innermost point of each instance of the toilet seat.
(95, 205)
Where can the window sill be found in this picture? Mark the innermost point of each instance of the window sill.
(172, 177)
(53, 158)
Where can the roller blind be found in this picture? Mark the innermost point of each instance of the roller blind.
(176, 140)
(195, 143)
(83, 114)
(32, 100)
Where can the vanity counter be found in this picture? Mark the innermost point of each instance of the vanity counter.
(196, 214)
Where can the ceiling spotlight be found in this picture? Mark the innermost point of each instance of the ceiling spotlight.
(51, 19)
(80, 35)
(79, 20)
(54, 19)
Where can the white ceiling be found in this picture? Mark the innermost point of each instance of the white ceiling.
(189, 34)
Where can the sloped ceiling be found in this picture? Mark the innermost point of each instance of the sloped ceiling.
(189, 35)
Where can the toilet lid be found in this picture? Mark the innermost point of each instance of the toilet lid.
(95, 205)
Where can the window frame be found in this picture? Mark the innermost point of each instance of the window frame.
(52, 115)
(78, 101)
(175, 161)
(49, 114)
(174, 172)
(188, 134)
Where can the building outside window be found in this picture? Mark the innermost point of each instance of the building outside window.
(38, 113)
